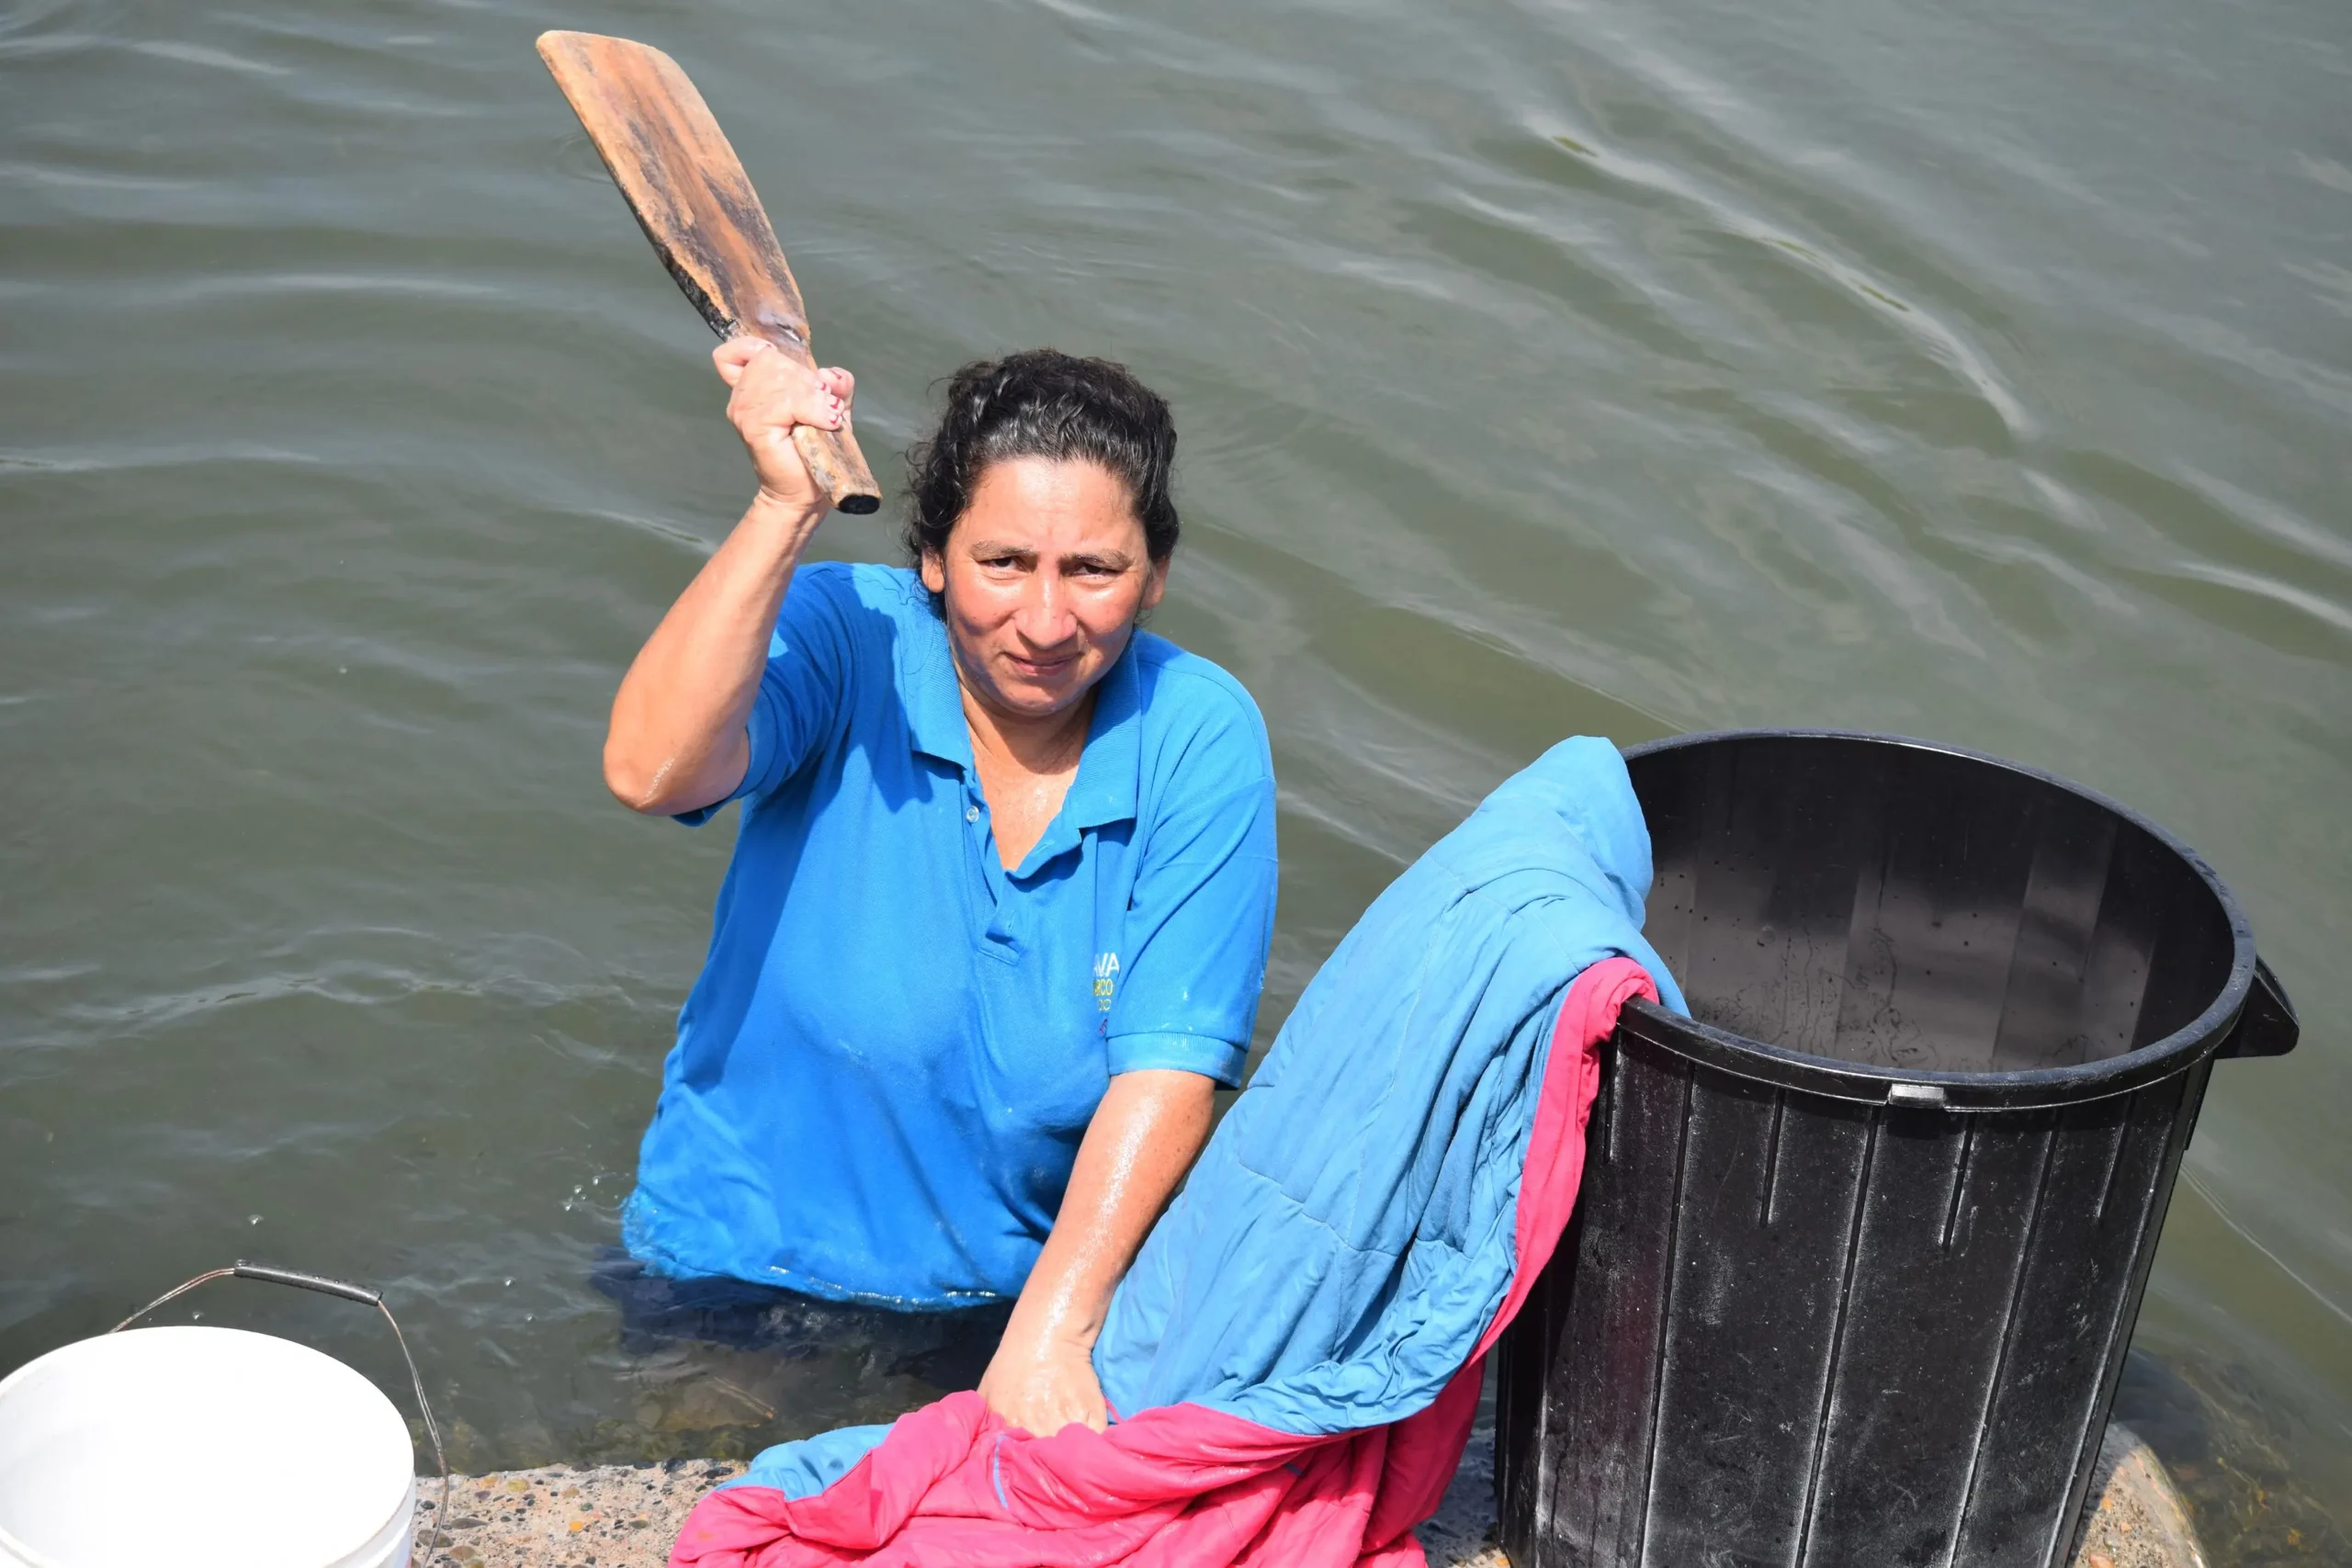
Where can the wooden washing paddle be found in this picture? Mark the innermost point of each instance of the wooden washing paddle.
(690, 194)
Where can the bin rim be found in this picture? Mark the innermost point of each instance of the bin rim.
(2026, 1090)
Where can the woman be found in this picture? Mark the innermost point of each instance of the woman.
(999, 905)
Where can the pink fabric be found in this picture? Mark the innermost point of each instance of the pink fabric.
(1180, 1486)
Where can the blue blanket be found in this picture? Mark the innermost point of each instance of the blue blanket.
(1346, 1235)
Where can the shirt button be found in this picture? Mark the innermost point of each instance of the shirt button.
(971, 813)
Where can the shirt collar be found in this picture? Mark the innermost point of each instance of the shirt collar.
(1104, 790)
(927, 687)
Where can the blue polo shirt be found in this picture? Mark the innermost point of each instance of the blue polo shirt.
(883, 1074)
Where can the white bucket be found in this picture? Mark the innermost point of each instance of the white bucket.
(200, 1448)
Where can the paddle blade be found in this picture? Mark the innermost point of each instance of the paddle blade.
(691, 195)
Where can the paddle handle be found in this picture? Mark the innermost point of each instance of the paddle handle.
(834, 459)
(836, 464)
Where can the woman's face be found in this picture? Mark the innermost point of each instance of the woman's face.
(1042, 580)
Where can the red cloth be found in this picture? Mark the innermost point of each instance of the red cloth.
(1183, 1485)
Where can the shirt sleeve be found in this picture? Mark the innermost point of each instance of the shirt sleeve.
(802, 689)
(1198, 928)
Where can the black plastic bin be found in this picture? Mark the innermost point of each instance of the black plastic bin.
(1859, 1251)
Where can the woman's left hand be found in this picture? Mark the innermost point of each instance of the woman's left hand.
(1042, 1384)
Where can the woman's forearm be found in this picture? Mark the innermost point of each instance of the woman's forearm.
(677, 741)
(1144, 1137)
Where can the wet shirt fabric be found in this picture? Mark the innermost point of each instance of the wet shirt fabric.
(882, 1076)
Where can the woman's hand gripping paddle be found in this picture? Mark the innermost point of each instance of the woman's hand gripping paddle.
(690, 194)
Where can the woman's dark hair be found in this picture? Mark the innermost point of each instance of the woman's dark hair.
(1042, 403)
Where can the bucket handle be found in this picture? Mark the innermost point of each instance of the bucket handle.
(242, 1269)
(2267, 1026)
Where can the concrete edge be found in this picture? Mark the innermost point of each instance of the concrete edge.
(627, 1516)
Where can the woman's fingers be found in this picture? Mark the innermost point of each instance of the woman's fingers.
(770, 392)
(780, 375)
(773, 388)
(733, 355)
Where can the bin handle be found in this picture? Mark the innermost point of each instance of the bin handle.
(365, 1296)
(2268, 1025)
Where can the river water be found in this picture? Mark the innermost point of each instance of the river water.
(1980, 371)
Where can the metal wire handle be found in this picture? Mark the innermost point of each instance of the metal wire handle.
(240, 1269)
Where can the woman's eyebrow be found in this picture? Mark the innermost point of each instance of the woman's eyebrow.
(990, 549)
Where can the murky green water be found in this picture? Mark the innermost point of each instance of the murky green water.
(1981, 372)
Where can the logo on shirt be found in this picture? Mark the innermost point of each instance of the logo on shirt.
(1106, 980)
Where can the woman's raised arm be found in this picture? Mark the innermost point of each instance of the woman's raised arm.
(676, 740)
